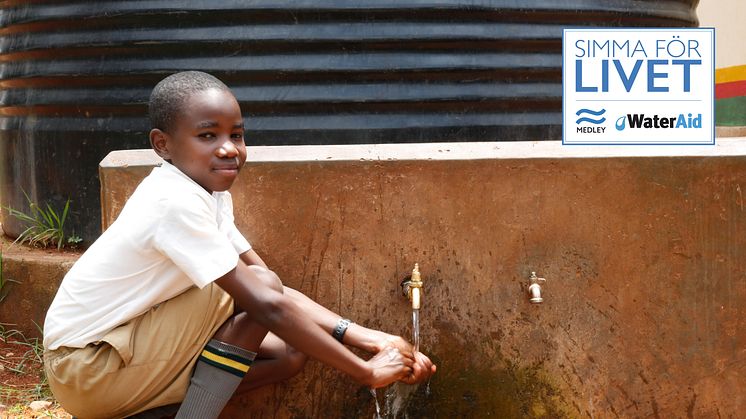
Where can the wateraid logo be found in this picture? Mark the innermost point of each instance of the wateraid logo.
(597, 121)
(658, 122)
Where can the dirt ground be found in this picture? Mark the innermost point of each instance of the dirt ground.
(22, 380)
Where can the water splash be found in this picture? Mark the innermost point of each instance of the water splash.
(398, 396)
(378, 406)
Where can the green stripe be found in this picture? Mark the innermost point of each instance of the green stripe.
(731, 112)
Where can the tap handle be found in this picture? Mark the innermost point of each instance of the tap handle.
(416, 273)
(535, 279)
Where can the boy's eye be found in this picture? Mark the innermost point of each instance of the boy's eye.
(237, 135)
(207, 135)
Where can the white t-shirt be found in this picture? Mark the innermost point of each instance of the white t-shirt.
(171, 235)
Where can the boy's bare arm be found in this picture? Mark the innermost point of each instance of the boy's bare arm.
(250, 257)
(362, 337)
(279, 314)
(358, 336)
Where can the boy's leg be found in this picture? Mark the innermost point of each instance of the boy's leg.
(221, 367)
(276, 361)
(142, 364)
(225, 361)
(219, 371)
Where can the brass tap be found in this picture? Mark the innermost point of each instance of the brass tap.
(412, 288)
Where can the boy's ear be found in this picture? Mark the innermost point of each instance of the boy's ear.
(159, 141)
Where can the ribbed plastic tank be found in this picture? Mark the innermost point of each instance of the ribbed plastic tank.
(75, 76)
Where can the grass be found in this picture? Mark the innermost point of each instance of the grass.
(33, 355)
(45, 226)
(22, 357)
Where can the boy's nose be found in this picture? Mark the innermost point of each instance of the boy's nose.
(227, 149)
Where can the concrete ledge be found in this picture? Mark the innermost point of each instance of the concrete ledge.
(135, 159)
(39, 273)
(487, 151)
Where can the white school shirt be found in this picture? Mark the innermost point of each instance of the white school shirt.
(171, 235)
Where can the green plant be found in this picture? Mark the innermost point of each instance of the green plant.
(45, 226)
(74, 240)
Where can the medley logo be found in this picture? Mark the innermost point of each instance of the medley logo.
(638, 86)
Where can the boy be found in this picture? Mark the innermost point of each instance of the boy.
(171, 303)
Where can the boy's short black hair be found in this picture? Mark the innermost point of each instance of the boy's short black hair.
(170, 94)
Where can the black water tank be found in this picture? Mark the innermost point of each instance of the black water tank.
(75, 76)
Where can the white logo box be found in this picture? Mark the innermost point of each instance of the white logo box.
(638, 86)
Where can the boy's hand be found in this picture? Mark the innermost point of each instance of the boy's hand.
(388, 366)
(422, 368)
(384, 340)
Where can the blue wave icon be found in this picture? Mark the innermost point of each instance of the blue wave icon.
(620, 123)
(588, 119)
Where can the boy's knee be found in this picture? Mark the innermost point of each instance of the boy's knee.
(296, 360)
(268, 277)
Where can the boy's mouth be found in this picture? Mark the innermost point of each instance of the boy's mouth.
(228, 167)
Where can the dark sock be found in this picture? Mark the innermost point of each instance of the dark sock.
(219, 371)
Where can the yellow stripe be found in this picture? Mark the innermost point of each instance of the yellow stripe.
(225, 361)
(729, 74)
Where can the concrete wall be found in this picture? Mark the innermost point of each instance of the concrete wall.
(37, 274)
(642, 251)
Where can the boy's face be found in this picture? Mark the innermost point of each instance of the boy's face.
(207, 142)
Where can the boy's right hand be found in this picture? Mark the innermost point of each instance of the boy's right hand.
(422, 368)
(388, 366)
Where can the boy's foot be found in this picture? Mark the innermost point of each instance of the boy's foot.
(161, 412)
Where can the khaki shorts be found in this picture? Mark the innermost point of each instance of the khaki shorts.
(141, 364)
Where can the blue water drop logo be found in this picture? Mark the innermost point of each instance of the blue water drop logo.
(621, 123)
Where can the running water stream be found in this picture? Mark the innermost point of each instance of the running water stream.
(416, 329)
(397, 395)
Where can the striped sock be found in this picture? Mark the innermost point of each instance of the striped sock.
(219, 371)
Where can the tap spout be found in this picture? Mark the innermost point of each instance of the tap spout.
(534, 289)
(412, 288)
(416, 297)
